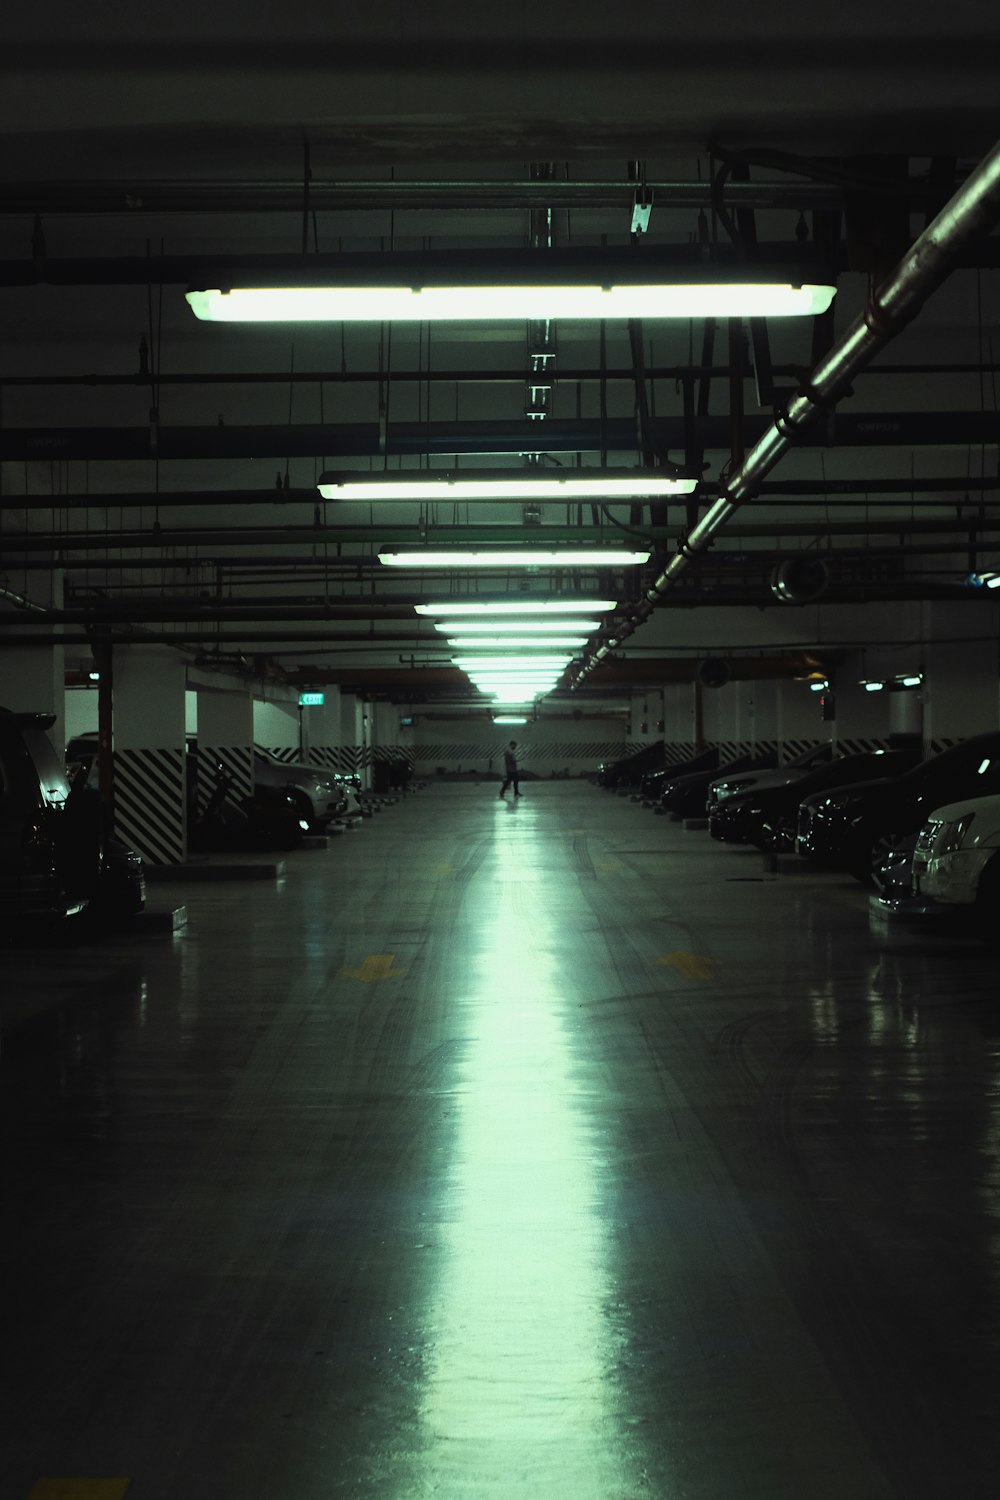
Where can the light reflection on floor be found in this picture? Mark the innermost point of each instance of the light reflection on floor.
(517, 1400)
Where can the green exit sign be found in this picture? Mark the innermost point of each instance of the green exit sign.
(310, 700)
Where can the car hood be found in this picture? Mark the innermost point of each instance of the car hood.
(877, 787)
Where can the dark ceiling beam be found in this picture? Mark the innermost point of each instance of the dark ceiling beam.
(134, 197)
(279, 536)
(388, 268)
(899, 490)
(333, 441)
(449, 376)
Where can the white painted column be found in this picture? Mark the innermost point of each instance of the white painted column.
(33, 678)
(322, 730)
(961, 692)
(276, 724)
(149, 751)
(225, 738)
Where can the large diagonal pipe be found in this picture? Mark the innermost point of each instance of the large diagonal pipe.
(973, 211)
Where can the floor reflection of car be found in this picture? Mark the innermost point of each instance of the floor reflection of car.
(956, 863)
(768, 815)
(55, 858)
(852, 828)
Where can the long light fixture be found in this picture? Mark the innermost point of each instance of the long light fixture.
(482, 663)
(510, 719)
(539, 628)
(524, 557)
(567, 606)
(507, 484)
(522, 642)
(575, 283)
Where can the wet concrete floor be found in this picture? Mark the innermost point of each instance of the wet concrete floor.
(505, 1152)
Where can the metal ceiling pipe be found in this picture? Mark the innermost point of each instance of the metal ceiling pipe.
(973, 211)
(357, 440)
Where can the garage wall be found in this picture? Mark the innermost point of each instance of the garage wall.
(557, 748)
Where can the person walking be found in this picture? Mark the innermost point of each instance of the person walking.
(510, 772)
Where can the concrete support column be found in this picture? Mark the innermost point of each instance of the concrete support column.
(150, 777)
(961, 692)
(33, 678)
(225, 738)
(276, 725)
(355, 738)
(321, 725)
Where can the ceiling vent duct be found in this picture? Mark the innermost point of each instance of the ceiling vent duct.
(800, 580)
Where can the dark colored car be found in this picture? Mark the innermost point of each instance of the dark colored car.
(730, 785)
(653, 783)
(55, 859)
(852, 828)
(768, 816)
(685, 796)
(630, 769)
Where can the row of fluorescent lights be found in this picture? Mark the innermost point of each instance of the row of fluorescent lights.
(515, 652)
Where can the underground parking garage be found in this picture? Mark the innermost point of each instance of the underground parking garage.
(499, 713)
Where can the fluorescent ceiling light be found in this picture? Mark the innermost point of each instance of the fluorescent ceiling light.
(568, 606)
(873, 687)
(509, 719)
(573, 642)
(332, 303)
(523, 557)
(483, 663)
(540, 628)
(507, 484)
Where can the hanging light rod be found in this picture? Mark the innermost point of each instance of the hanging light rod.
(495, 285)
(507, 484)
(522, 557)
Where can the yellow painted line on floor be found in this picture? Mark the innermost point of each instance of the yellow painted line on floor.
(610, 866)
(376, 966)
(690, 965)
(78, 1489)
(442, 869)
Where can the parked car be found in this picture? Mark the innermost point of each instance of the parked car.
(316, 795)
(956, 863)
(685, 796)
(853, 827)
(768, 815)
(630, 769)
(652, 784)
(729, 785)
(56, 860)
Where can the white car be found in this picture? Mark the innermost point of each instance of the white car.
(956, 862)
(315, 793)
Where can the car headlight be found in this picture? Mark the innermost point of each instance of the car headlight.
(950, 836)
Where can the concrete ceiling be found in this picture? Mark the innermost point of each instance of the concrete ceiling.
(167, 469)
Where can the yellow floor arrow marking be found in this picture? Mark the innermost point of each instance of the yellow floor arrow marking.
(610, 866)
(442, 869)
(78, 1489)
(376, 966)
(690, 965)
